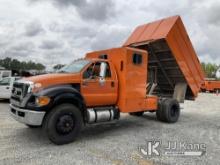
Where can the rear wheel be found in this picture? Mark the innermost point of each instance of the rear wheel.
(169, 111)
(63, 124)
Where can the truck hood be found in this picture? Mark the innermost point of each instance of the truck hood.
(55, 79)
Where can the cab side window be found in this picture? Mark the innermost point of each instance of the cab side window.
(137, 59)
(93, 71)
(108, 71)
(88, 72)
(96, 69)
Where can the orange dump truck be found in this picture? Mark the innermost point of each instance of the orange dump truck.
(211, 86)
(155, 70)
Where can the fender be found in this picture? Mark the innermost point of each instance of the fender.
(64, 94)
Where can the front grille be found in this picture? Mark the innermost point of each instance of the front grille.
(19, 113)
(13, 111)
(19, 90)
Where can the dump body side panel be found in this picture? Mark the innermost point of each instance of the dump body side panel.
(151, 31)
(171, 53)
(185, 55)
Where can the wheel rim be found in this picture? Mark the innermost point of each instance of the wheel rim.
(65, 124)
(174, 111)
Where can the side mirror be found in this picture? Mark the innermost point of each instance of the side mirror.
(103, 69)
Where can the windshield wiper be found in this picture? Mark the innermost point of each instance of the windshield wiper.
(62, 71)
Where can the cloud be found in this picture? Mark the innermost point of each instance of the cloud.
(96, 10)
(213, 14)
(20, 50)
(54, 31)
(201, 19)
(33, 28)
(108, 36)
(49, 44)
(66, 3)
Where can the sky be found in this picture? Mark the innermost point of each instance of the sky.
(59, 31)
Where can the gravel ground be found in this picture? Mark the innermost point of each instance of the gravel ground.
(118, 142)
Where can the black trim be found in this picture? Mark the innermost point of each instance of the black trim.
(137, 58)
(58, 94)
(103, 56)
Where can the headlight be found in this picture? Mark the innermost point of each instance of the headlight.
(34, 87)
(42, 100)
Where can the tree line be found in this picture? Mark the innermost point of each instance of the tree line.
(210, 69)
(14, 64)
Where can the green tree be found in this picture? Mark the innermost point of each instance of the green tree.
(210, 69)
(15, 64)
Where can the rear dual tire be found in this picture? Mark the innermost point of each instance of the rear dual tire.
(168, 110)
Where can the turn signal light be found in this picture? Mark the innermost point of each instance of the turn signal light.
(43, 100)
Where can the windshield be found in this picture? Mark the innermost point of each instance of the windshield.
(74, 67)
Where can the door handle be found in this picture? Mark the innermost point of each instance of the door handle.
(112, 84)
(7, 87)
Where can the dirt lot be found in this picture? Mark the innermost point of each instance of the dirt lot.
(117, 143)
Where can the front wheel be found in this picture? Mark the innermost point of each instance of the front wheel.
(63, 124)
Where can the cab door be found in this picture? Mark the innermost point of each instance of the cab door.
(96, 90)
(5, 88)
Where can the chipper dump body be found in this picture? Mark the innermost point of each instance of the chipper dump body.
(172, 58)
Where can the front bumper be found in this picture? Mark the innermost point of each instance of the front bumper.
(26, 116)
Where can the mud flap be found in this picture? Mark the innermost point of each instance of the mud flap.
(180, 92)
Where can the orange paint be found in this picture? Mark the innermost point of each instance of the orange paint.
(211, 85)
(172, 31)
(132, 79)
(126, 86)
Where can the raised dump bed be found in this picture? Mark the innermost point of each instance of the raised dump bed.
(172, 58)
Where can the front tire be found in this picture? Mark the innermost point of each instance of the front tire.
(63, 124)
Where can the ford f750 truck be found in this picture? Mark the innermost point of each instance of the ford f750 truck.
(155, 70)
